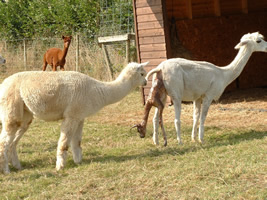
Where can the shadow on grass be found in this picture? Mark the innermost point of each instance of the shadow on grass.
(212, 141)
(229, 138)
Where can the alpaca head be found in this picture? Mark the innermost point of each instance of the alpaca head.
(67, 40)
(2, 60)
(254, 40)
(141, 128)
(135, 72)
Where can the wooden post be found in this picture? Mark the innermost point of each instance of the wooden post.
(25, 53)
(77, 52)
(5, 45)
(127, 51)
(110, 70)
(244, 6)
(217, 9)
(189, 9)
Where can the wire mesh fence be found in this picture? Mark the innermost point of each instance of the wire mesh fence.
(116, 17)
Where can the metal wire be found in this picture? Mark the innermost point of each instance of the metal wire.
(116, 17)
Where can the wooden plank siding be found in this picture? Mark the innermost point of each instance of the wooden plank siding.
(150, 33)
(191, 9)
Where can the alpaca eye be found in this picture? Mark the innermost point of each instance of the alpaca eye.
(142, 74)
(258, 41)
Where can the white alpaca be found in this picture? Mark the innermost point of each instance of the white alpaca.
(51, 96)
(202, 82)
(2, 59)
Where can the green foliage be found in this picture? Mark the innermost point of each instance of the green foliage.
(47, 18)
(25, 18)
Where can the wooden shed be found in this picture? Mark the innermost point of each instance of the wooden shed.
(201, 30)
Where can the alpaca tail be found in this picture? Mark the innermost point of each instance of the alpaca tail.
(158, 69)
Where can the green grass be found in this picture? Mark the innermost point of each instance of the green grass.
(117, 164)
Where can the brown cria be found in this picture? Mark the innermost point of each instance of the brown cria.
(56, 57)
(157, 97)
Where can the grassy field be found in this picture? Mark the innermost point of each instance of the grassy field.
(117, 164)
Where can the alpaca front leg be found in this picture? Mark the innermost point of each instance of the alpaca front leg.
(196, 114)
(6, 138)
(68, 127)
(12, 155)
(156, 127)
(177, 123)
(76, 144)
(204, 111)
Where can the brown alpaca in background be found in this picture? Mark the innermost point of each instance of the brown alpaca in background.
(56, 57)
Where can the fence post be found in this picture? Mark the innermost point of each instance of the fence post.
(107, 59)
(77, 52)
(25, 53)
(5, 45)
(127, 51)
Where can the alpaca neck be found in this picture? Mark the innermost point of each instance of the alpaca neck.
(65, 51)
(148, 107)
(234, 69)
(116, 90)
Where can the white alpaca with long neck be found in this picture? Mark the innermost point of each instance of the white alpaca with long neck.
(70, 96)
(202, 82)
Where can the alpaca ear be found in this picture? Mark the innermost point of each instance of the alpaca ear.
(144, 64)
(63, 37)
(240, 44)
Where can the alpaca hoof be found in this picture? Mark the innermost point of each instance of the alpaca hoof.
(17, 166)
(165, 143)
(6, 171)
(58, 168)
(180, 142)
(79, 161)
(77, 158)
(201, 141)
(194, 140)
(59, 165)
(156, 142)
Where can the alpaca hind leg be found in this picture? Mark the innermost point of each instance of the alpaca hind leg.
(68, 128)
(161, 107)
(163, 132)
(177, 122)
(62, 68)
(196, 114)
(76, 144)
(13, 156)
(7, 136)
(156, 127)
(203, 114)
